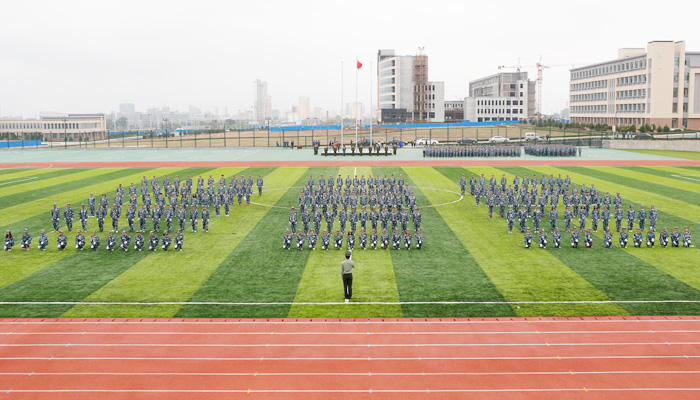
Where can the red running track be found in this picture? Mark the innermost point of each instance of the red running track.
(484, 358)
(432, 162)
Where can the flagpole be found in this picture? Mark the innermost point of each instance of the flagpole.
(357, 71)
(371, 104)
(341, 103)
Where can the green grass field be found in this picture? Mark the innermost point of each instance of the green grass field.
(470, 265)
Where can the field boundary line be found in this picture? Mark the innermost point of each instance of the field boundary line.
(688, 177)
(286, 303)
(20, 180)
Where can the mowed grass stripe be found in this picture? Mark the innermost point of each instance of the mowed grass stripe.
(670, 187)
(60, 185)
(257, 270)
(617, 272)
(444, 270)
(519, 274)
(35, 260)
(373, 279)
(173, 275)
(672, 174)
(17, 172)
(63, 175)
(8, 181)
(72, 278)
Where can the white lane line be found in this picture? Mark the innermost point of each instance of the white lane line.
(286, 303)
(19, 180)
(363, 321)
(346, 373)
(412, 333)
(606, 357)
(334, 345)
(689, 177)
(370, 391)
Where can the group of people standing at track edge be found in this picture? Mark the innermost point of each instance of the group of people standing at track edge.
(175, 200)
(472, 151)
(389, 201)
(522, 200)
(552, 150)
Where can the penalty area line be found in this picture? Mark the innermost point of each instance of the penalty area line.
(330, 303)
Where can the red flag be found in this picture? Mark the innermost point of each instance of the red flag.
(359, 64)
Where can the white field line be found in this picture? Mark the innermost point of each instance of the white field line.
(287, 303)
(313, 333)
(20, 180)
(689, 177)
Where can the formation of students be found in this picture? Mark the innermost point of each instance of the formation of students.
(522, 200)
(552, 150)
(472, 151)
(175, 200)
(390, 202)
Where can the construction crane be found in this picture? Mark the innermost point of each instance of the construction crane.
(540, 69)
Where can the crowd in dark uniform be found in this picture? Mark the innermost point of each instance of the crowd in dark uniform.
(552, 150)
(539, 200)
(167, 202)
(376, 212)
(472, 151)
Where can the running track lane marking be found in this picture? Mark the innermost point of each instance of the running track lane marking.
(248, 391)
(19, 180)
(613, 357)
(346, 373)
(284, 303)
(447, 333)
(694, 177)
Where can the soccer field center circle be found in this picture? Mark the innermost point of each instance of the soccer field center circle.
(418, 187)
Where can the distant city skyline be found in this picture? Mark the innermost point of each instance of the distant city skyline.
(90, 57)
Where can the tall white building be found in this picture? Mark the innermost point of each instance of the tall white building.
(304, 108)
(404, 93)
(263, 106)
(507, 96)
(659, 85)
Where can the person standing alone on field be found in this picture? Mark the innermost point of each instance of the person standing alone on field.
(346, 272)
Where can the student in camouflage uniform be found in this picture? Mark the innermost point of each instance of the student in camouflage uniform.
(653, 217)
(687, 238)
(94, 241)
(396, 239)
(55, 217)
(43, 241)
(194, 215)
(153, 242)
(205, 219)
(156, 216)
(527, 239)
(300, 240)
(325, 240)
(641, 216)
(61, 241)
(651, 237)
(624, 237)
(80, 240)
(637, 238)
(362, 237)
(556, 238)
(351, 240)
(139, 241)
(588, 239)
(574, 238)
(338, 240)
(179, 240)
(510, 218)
(125, 241)
(384, 240)
(373, 239)
(543, 239)
(675, 237)
(312, 238)
(114, 215)
(25, 240)
(68, 214)
(663, 237)
(630, 218)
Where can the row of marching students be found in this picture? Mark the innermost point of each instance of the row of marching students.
(384, 241)
(638, 238)
(93, 242)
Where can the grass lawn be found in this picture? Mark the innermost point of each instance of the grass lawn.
(688, 155)
(469, 266)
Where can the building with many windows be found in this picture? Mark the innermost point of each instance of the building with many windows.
(71, 127)
(659, 85)
(507, 96)
(404, 93)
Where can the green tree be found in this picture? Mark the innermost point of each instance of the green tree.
(122, 123)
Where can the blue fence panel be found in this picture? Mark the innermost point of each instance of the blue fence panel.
(19, 143)
(462, 124)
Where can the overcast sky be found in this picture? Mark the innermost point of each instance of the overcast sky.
(89, 56)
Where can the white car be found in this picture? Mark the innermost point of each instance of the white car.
(498, 139)
(426, 141)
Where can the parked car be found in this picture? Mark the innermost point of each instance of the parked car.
(363, 142)
(531, 136)
(466, 140)
(393, 141)
(426, 142)
(643, 136)
(498, 139)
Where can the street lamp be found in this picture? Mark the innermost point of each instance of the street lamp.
(165, 126)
